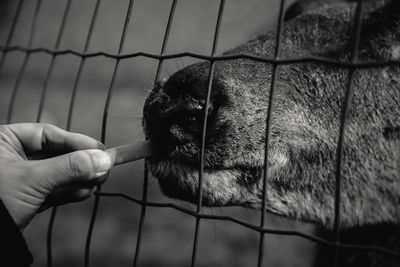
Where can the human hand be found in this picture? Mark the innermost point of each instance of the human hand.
(70, 168)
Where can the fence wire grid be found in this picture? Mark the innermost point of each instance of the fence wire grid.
(213, 58)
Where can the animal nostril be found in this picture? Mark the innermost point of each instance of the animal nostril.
(175, 116)
(194, 111)
(192, 115)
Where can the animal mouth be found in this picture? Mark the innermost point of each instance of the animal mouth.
(185, 154)
(177, 172)
(181, 181)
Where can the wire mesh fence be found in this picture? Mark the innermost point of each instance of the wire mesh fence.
(276, 61)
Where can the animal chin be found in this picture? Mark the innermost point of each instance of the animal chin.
(181, 181)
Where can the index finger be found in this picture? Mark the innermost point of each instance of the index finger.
(40, 137)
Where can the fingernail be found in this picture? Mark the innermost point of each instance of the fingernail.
(102, 162)
(99, 174)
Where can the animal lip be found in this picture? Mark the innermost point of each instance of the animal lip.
(185, 153)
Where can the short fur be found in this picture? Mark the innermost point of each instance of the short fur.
(304, 124)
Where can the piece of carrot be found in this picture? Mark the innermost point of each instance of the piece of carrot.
(131, 152)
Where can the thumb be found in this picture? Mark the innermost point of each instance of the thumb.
(84, 166)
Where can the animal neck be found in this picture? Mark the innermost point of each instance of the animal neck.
(384, 235)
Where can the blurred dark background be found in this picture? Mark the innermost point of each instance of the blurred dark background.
(168, 234)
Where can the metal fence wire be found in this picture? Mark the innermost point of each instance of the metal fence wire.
(276, 61)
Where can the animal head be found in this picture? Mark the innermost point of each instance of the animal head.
(304, 124)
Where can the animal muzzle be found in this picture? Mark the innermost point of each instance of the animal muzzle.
(173, 121)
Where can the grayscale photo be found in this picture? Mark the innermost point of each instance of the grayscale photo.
(200, 133)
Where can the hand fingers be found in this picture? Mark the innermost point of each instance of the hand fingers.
(39, 137)
(67, 194)
(84, 166)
